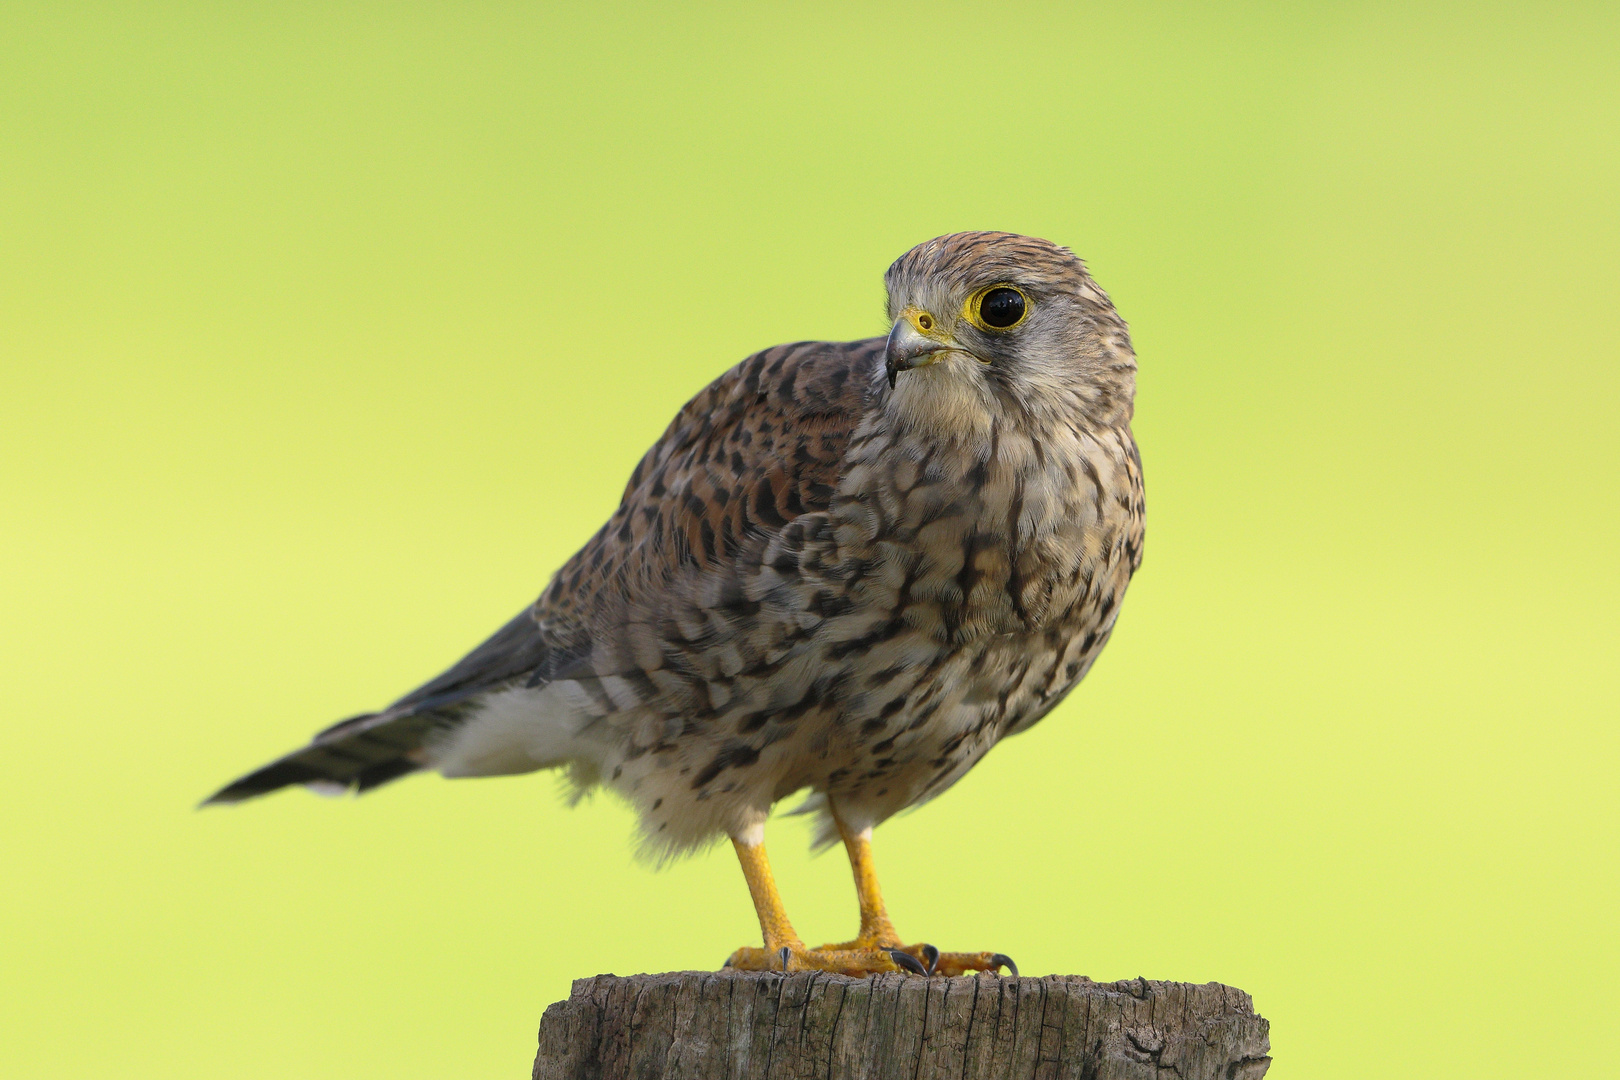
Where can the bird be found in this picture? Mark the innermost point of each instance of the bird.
(846, 569)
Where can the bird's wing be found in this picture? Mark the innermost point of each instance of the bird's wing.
(761, 445)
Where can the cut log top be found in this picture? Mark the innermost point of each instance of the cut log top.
(706, 1025)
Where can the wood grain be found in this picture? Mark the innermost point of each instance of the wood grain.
(704, 1025)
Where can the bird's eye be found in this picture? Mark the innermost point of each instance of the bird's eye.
(1001, 307)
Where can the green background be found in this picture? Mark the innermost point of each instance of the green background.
(328, 331)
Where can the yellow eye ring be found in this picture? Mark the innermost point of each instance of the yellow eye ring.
(997, 308)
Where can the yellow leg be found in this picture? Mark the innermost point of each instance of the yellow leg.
(873, 949)
(876, 929)
(773, 919)
(877, 932)
(778, 932)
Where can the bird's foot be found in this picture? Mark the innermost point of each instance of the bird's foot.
(868, 958)
(924, 959)
(861, 961)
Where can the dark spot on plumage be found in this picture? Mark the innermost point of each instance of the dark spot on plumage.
(812, 697)
(893, 706)
(791, 502)
(888, 674)
(736, 603)
(643, 686)
(923, 716)
(1096, 485)
(657, 803)
(830, 606)
(618, 771)
(737, 755)
(1015, 578)
(872, 727)
(840, 650)
(752, 722)
(883, 747)
(765, 504)
(785, 388)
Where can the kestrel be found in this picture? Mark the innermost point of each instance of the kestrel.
(850, 568)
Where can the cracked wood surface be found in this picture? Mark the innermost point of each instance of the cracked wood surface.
(706, 1025)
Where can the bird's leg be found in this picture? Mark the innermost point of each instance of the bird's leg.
(773, 919)
(876, 930)
(875, 949)
(783, 950)
(877, 933)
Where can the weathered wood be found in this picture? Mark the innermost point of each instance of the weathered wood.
(727, 1025)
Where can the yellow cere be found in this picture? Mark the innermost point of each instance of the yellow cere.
(922, 322)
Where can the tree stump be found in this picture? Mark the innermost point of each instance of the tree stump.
(707, 1025)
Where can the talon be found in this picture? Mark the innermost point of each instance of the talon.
(784, 952)
(727, 963)
(906, 962)
(931, 954)
(1003, 960)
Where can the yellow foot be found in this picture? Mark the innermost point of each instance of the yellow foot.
(862, 958)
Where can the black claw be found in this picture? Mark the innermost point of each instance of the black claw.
(931, 954)
(1003, 960)
(907, 962)
(727, 963)
(784, 952)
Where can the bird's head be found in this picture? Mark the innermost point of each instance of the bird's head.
(988, 325)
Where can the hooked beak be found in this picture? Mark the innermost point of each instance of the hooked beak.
(908, 348)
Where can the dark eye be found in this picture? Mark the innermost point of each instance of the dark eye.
(1001, 307)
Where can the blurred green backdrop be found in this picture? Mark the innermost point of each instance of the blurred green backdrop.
(328, 331)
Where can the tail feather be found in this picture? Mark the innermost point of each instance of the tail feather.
(360, 753)
(369, 750)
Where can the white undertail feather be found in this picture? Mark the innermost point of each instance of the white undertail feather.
(517, 730)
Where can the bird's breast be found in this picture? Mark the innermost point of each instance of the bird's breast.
(1035, 533)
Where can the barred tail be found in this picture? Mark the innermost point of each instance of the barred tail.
(358, 754)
